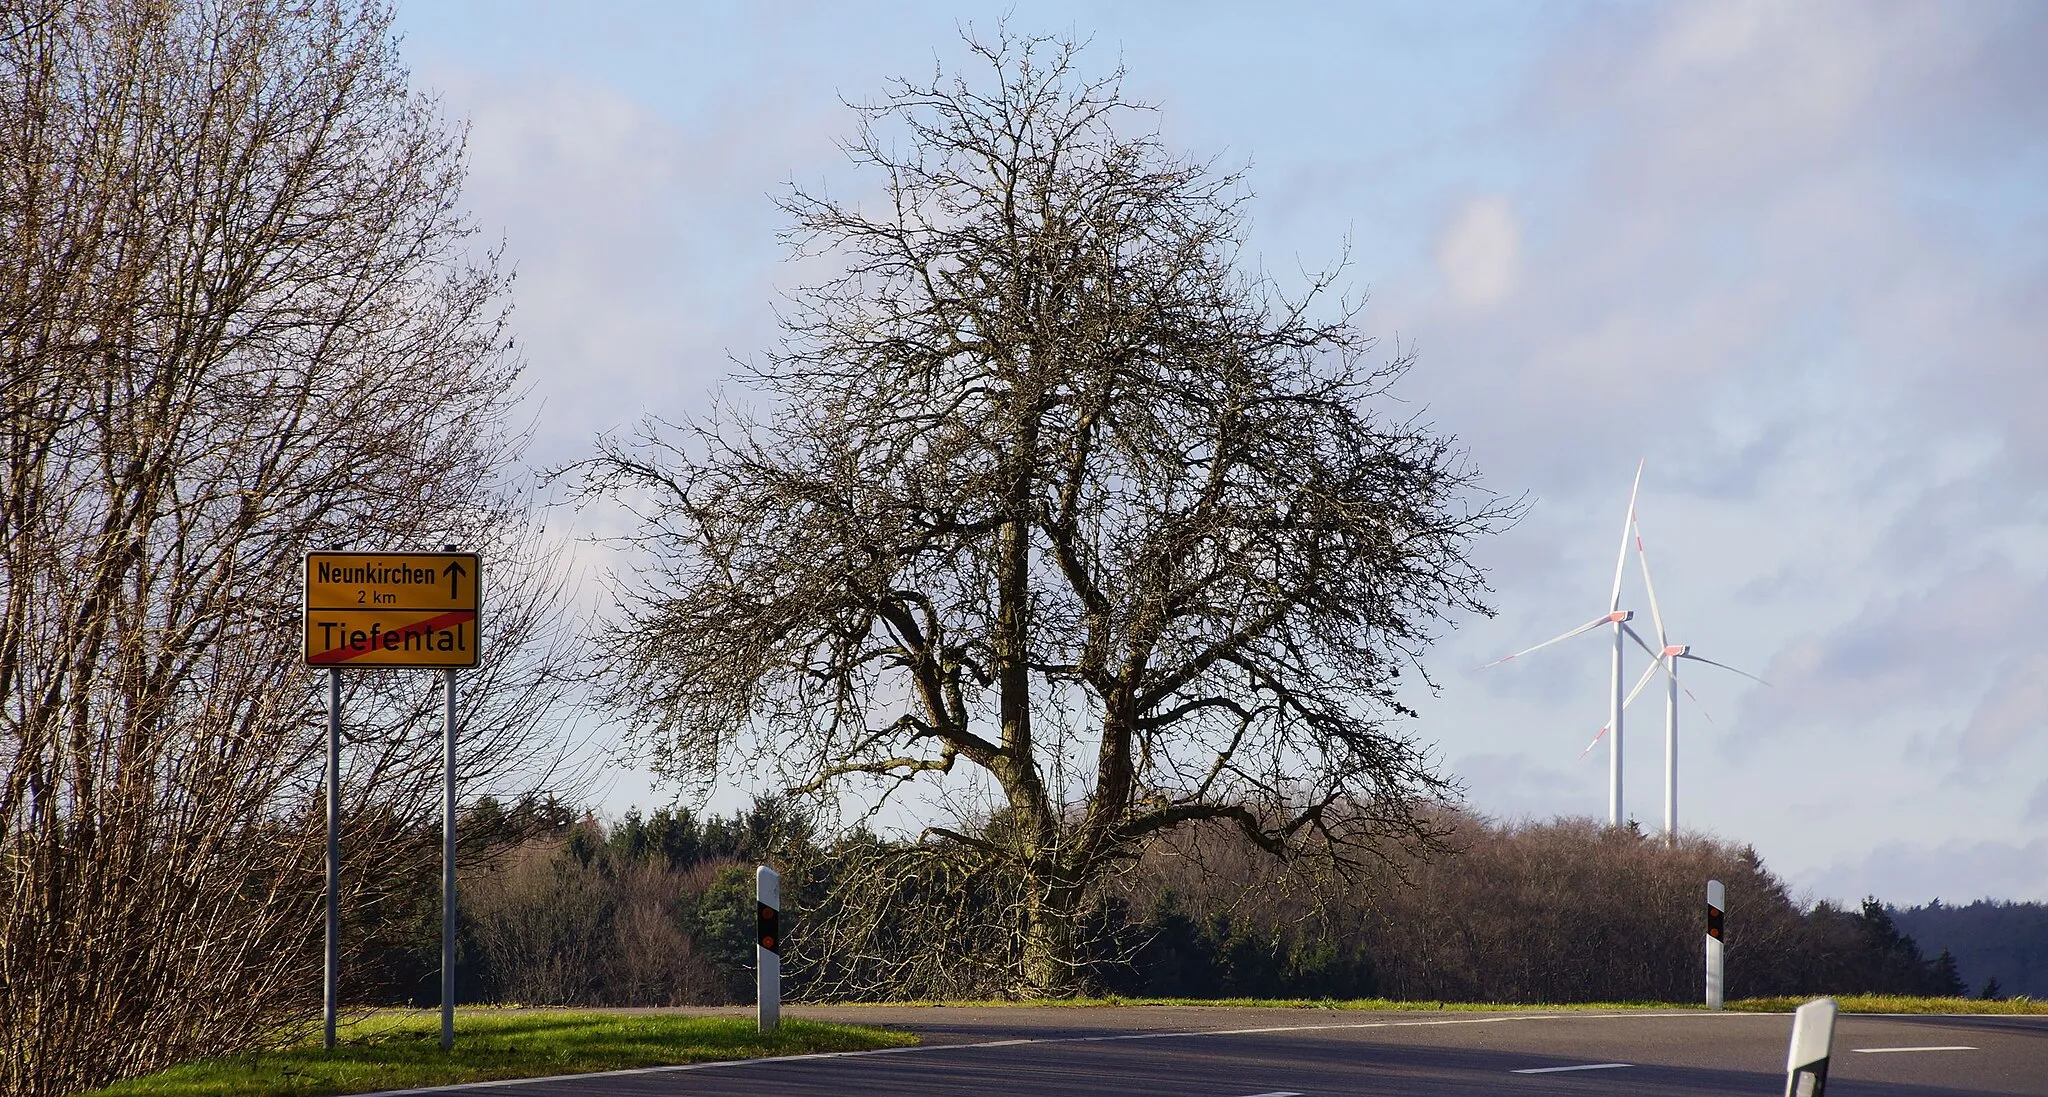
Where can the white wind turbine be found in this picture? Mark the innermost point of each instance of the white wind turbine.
(1667, 658)
(1618, 618)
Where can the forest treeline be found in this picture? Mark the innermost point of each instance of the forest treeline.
(656, 909)
(2001, 948)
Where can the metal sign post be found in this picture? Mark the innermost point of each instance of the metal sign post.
(331, 975)
(1717, 902)
(767, 948)
(448, 861)
(392, 609)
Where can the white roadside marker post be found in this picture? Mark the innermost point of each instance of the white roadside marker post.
(1717, 903)
(1813, 1038)
(768, 948)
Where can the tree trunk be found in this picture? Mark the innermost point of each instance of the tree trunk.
(1052, 938)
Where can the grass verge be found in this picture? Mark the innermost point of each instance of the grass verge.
(1850, 1003)
(393, 1049)
(1369, 1004)
(1894, 1003)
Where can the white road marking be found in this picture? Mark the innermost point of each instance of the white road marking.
(1278, 1093)
(1560, 1070)
(723, 1064)
(1888, 1050)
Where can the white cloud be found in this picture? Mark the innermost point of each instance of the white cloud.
(1730, 262)
(1956, 871)
(1926, 648)
(1480, 252)
(2012, 712)
(645, 245)
(1510, 787)
(1791, 252)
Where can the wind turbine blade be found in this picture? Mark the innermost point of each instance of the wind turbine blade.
(1587, 627)
(1703, 709)
(1621, 558)
(1648, 673)
(1644, 559)
(1726, 667)
(1655, 655)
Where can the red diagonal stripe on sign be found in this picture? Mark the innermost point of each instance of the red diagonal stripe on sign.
(431, 624)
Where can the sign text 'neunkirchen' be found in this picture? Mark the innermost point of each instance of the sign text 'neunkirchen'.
(391, 609)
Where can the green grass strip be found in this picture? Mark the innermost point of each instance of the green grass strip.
(402, 1050)
(1895, 1003)
(1371, 1004)
(1849, 1003)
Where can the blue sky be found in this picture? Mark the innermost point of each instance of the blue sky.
(1793, 256)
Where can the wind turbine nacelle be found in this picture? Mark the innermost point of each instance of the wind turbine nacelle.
(1672, 651)
(1622, 616)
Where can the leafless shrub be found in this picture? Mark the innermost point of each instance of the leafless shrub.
(1560, 911)
(556, 931)
(237, 321)
(923, 920)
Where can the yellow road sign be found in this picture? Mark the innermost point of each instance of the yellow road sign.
(391, 609)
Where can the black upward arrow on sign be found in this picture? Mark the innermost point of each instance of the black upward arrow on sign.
(455, 571)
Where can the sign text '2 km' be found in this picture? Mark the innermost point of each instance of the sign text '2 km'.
(391, 609)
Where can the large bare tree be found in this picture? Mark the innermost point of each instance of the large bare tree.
(1049, 484)
(239, 318)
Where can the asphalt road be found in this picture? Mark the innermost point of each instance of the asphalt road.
(1212, 1052)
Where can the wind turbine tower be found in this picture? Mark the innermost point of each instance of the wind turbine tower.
(1618, 619)
(1664, 657)
(1668, 655)
(1616, 703)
